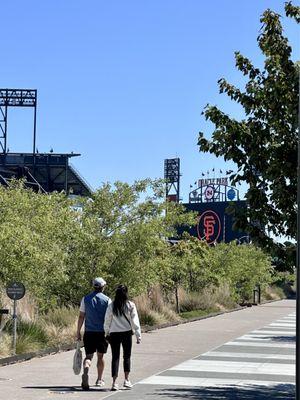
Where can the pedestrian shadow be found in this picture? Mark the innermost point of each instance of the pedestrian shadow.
(67, 389)
(249, 392)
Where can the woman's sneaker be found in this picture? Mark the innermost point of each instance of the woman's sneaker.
(100, 383)
(115, 387)
(127, 384)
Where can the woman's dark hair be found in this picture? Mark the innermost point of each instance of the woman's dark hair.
(121, 297)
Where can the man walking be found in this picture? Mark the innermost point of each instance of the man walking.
(92, 311)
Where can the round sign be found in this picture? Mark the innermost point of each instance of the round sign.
(209, 226)
(15, 290)
(209, 192)
(231, 194)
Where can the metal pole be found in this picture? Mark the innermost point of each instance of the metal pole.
(5, 130)
(298, 260)
(34, 125)
(15, 327)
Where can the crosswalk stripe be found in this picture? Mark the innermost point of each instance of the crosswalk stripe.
(250, 355)
(287, 320)
(205, 382)
(236, 367)
(272, 332)
(270, 335)
(251, 344)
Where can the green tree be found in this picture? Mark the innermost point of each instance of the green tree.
(120, 233)
(263, 145)
(123, 236)
(242, 278)
(36, 235)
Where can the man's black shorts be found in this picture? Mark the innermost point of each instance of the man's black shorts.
(94, 341)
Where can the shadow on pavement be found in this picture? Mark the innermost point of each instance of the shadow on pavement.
(277, 392)
(67, 389)
(282, 338)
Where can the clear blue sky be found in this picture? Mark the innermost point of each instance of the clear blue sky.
(124, 82)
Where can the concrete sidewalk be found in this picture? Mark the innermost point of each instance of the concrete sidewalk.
(52, 376)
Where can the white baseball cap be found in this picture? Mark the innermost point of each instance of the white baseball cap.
(99, 282)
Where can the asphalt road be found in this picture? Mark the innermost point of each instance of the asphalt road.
(247, 354)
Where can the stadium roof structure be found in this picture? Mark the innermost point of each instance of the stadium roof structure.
(45, 172)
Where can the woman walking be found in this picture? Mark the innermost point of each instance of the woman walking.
(121, 322)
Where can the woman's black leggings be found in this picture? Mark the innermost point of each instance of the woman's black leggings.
(116, 339)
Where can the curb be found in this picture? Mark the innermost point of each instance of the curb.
(40, 353)
(67, 347)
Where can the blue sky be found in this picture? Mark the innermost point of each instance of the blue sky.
(124, 82)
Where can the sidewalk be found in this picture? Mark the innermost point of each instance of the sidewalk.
(160, 350)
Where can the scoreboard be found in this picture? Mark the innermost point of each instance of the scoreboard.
(214, 223)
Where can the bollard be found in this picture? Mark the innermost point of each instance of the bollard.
(259, 294)
(257, 291)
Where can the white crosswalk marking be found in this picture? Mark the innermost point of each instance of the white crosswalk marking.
(224, 354)
(265, 356)
(235, 366)
(204, 382)
(277, 332)
(251, 344)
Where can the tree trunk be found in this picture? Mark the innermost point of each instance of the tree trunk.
(177, 300)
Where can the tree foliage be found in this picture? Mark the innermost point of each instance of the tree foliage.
(263, 144)
(194, 265)
(120, 233)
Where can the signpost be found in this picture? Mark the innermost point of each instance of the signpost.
(15, 291)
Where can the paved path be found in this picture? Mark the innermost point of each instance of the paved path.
(258, 365)
(249, 354)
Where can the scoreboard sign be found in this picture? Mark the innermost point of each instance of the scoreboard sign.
(214, 224)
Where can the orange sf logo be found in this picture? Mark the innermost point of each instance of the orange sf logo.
(209, 226)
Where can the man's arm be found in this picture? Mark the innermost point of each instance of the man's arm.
(80, 321)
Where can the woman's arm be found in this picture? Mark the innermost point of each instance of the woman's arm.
(108, 319)
(135, 322)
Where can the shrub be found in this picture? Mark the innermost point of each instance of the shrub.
(156, 298)
(33, 330)
(152, 308)
(203, 300)
(61, 317)
(223, 298)
(5, 344)
(61, 335)
(26, 344)
(31, 336)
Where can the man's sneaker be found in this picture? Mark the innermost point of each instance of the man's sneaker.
(127, 384)
(115, 387)
(100, 382)
(85, 382)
